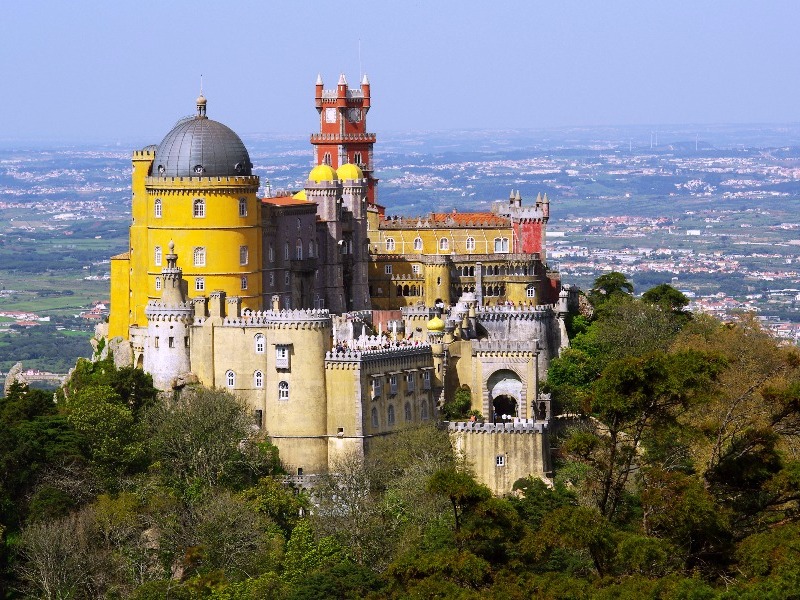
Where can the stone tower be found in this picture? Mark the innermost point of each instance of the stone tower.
(166, 350)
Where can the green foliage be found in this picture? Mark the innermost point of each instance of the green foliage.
(459, 406)
(609, 286)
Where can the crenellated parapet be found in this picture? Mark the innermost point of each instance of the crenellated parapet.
(519, 426)
(205, 185)
(182, 312)
(521, 312)
(417, 312)
(396, 356)
(311, 318)
(506, 347)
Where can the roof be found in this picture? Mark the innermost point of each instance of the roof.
(201, 147)
(321, 173)
(287, 201)
(470, 219)
(123, 256)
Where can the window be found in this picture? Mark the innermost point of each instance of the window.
(374, 417)
(260, 343)
(282, 356)
(258, 379)
(407, 411)
(286, 251)
(357, 158)
(390, 244)
(199, 284)
(230, 379)
(530, 292)
(271, 253)
(171, 342)
(244, 255)
(199, 209)
(272, 280)
(444, 244)
(470, 244)
(158, 283)
(393, 384)
(409, 382)
(157, 208)
(258, 417)
(242, 207)
(299, 224)
(327, 158)
(298, 249)
(377, 387)
(416, 269)
(418, 244)
(283, 390)
(155, 342)
(157, 256)
(424, 410)
(244, 282)
(287, 278)
(387, 269)
(390, 415)
(501, 244)
(426, 380)
(500, 460)
(310, 249)
(199, 257)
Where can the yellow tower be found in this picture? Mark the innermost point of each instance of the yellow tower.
(196, 189)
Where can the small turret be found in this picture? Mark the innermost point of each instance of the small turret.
(318, 92)
(365, 92)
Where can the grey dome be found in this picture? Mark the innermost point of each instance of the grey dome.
(201, 147)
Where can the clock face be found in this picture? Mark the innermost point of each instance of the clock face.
(330, 115)
(354, 115)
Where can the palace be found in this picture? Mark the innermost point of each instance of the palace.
(335, 322)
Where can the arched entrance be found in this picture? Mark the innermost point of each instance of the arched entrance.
(505, 395)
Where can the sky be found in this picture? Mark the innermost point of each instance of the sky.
(110, 71)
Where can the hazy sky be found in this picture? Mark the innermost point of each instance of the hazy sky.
(116, 70)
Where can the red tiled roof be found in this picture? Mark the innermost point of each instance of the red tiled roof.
(474, 219)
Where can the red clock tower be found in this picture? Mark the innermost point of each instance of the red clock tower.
(343, 136)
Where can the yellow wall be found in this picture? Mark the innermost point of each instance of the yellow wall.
(119, 317)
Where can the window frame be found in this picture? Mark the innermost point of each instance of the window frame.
(199, 208)
(444, 244)
(199, 256)
(283, 390)
(199, 284)
(242, 207)
(158, 209)
(244, 256)
(230, 378)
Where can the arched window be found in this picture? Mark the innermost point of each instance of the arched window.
(242, 207)
(298, 249)
(444, 244)
(357, 158)
(157, 256)
(530, 292)
(407, 411)
(244, 282)
(283, 390)
(418, 244)
(327, 158)
(374, 417)
(424, 410)
(230, 379)
(501, 244)
(299, 224)
(260, 343)
(199, 284)
(310, 249)
(244, 255)
(390, 244)
(158, 283)
(199, 257)
(157, 209)
(199, 209)
(470, 244)
(390, 415)
(258, 379)
(286, 251)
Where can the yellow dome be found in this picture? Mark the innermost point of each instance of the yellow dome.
(301, 195)
(435, 324)
(349, 171)
(322, 173)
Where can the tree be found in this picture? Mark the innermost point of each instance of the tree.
(197, 439)
(666, 297)
(608, 286)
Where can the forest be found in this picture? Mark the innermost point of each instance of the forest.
(676, 476)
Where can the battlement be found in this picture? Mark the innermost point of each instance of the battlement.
(528, 426)
(522, 312)
(144, 154)
(506, 347)
(242, 183)
(157, 310)
(390, 351)
(334, 94)
(343, 137)
(417, 312)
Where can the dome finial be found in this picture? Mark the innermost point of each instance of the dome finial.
(201, 101)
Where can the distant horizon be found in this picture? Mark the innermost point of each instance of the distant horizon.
(393, 135)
